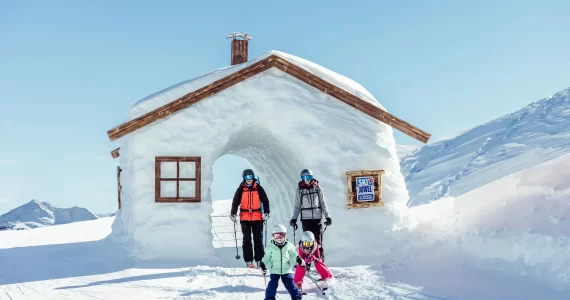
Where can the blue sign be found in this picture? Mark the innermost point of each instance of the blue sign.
(365, 189)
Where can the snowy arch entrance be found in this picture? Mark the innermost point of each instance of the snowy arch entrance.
(278, 168)
(280, 114)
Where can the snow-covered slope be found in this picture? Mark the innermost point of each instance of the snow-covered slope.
(405, 150)
(515, 231)
(451, 167)
(36, 214)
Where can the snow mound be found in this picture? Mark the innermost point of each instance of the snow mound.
(36, 214)
(514, 142)
(519, 224)
(174, 92)
(280, 125)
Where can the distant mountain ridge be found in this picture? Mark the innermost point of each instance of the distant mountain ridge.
(451, 167)
(35, 214)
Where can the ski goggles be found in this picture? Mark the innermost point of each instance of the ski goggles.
(248, 177)
(307, 177)
(308, 244)
(279, 235)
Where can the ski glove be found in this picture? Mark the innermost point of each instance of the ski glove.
(265, 217)
(233, 218)
(328, 222)
(300, 262)
(293, 224)
(263, 268)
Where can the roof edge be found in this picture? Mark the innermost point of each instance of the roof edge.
(284, 65)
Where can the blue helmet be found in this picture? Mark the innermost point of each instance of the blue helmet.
(247, 174)
(306, 174)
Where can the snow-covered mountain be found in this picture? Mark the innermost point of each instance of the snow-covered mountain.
(36, 214)
(405, 150)
(525, 138)
(105, 215)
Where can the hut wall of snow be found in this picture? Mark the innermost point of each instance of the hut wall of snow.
(281, 125)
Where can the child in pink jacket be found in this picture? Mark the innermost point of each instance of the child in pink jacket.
(309, 253)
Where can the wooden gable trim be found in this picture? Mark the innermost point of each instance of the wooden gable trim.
(115, 153)
(348, 98)
(256, 68)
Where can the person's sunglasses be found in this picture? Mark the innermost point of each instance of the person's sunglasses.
(279, 235)
(308, 244)
(248, 177)
(307, 177)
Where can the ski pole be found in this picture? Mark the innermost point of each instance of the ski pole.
(294, 238)
(315, 282)
(235, 237)
(265, 235)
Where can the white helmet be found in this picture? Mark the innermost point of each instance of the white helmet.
(308, 237)
(307, 242)
(279, 229)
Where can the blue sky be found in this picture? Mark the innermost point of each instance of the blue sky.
(69, 71)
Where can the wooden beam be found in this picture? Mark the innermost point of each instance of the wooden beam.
(256, 68)
(364, 205)
(115, 153)
(119, 184)
(191, 98)
(348, 98)
(177, 200)
(365, 172)
(350, 193)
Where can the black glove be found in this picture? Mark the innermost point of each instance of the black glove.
(263, 268)
(328, 222)
(293, 224)
(299, 261)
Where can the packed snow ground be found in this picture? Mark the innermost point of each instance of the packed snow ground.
(506, 240)
(76, 261)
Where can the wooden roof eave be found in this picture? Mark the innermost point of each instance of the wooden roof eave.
(254, 69)
(115, 153)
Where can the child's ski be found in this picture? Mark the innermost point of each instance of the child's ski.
(323, 289)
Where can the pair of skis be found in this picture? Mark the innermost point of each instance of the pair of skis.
(322, 289)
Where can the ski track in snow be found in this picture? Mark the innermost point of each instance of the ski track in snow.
(68, 270)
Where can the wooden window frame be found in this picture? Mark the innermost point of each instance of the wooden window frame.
(351, 183)
(178, 160)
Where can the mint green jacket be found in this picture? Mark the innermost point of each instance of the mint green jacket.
(279, 260)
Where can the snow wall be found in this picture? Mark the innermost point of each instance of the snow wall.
(281, 126)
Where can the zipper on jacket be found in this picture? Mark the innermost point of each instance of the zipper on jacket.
(281, 252)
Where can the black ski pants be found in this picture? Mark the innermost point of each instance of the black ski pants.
(314, 226)
(247, 228)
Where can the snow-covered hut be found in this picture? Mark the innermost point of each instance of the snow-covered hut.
(281, 113)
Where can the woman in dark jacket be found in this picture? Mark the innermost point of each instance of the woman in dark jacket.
(249, 197)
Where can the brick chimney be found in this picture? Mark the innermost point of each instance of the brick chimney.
(239, 47)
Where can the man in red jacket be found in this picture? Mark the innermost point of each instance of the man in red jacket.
(249, 197)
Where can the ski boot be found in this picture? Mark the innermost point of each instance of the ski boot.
(300, 286)
(250, 265)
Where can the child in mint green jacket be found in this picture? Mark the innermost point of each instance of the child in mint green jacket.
(280, 256)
